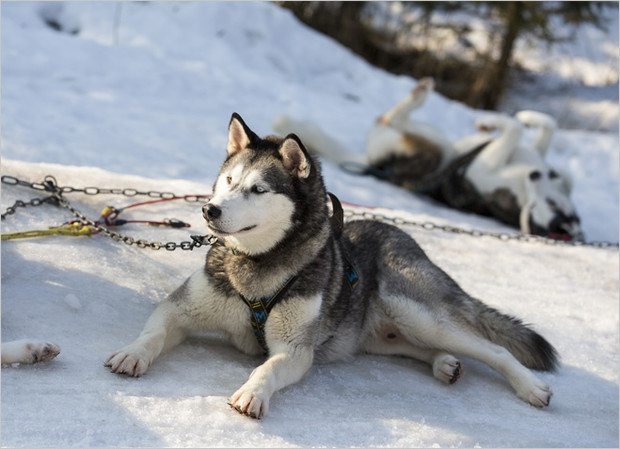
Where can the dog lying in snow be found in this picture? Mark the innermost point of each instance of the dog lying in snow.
(286, 279)
(498, 176)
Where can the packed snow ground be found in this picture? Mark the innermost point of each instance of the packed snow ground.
(145, 104)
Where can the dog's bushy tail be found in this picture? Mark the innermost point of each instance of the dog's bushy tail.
(317, 141)
(528, 346)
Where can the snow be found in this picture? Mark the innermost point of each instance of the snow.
(141, 98)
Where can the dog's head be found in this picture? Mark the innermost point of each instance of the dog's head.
(260, 189)
(549, 210)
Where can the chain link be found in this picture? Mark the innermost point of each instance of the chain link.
(51, 185)
(33, 202)
(56, 197)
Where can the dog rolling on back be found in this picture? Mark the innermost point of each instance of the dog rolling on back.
(500, 176)
(288, 280)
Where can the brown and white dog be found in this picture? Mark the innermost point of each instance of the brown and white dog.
(498, 175)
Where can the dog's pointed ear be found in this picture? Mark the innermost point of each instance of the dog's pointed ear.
(239, 135)
(295, 157)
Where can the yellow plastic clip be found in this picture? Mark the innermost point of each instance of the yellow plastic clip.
(72, 229)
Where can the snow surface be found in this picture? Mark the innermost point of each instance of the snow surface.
(141, 98)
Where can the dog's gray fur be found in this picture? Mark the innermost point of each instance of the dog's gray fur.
(270, 213)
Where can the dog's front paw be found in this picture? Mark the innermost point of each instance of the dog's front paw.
(130, 361)
(447, 369)
(249, 402)
(42, 351)
(536, 393)
(28, 351)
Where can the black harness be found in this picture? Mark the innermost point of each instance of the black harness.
(260, 308)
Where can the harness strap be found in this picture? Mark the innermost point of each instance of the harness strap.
(350, 272)
(260, 309)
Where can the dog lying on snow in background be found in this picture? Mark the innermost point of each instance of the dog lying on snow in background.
(497, 176)
(28, 351)
(288, 280)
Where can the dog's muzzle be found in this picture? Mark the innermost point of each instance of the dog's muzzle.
(562, 227)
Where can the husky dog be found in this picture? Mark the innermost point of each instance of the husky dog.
(289, 280)
(498, 176)
(28, 351)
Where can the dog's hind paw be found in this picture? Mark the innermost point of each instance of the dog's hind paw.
(447, 368)
(131, 363)
(537, 394)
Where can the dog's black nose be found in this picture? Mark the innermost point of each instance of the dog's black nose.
(210, 211)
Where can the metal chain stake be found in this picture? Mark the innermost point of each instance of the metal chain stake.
(56, 197)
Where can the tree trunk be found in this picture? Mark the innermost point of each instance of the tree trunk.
(488, 89)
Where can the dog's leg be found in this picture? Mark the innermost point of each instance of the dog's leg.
(390, 341)
(290, 333)
(527, 386)
(195, 306)
(395, 134)
(280, 370)
(429, 329)
(28, 351)
(546, 127)
(399, 113)
(162, 331)
(496, 154)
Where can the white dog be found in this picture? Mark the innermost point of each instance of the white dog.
(501, 176)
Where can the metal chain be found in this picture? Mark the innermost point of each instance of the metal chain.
(117, 237)
(51, 181)
(50, 185)
(33, 202)
(503, 236)
(57, 198)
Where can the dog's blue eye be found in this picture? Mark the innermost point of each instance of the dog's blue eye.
(258, 189)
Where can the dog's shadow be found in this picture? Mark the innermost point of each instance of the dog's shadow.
(384, 401)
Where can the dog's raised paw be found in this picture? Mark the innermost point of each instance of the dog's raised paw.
(424, 85)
